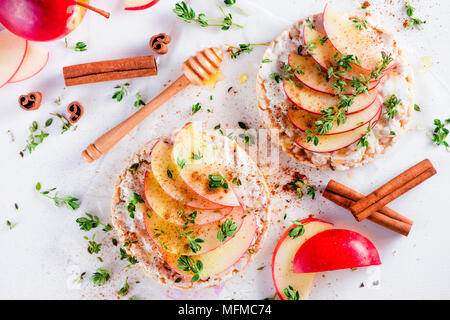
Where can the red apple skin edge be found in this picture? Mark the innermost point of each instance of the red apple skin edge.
(32, 75)
(335, 249)
(18, 67)
(324, 28)
(286, 234)
(378, 116)
(319, 113)
(148, 5)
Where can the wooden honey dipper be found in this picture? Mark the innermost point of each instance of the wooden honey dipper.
(196, 70)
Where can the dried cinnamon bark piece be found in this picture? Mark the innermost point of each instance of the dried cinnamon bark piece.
(110, 70)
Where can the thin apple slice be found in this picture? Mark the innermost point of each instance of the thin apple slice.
(174, 211)
(283, 258)
(224, 256)
(139, 4)
(314, 101)
(366, 43)
(305, 121)
(334, 250)
(315, 77)
(336, 141)
(12, 54)
(167, 174)
(198, 165)
(36, 58)
(175, 239)
(325, 54)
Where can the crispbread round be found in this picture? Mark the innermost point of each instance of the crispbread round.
(253, 195)
(273, 104)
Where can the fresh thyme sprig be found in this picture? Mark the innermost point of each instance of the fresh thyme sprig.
(121, 93)
(186, 263)
(299, 184)
(125, 256)
(360, 23)
(216, 181)
(287, 73)
(66, 125)
(93, 246)
(186, 13)
(440, 132)
(391, 105)
(232, 3)
(291, 294)
(227, 230)
(139, 102)
(124, 290)
(196, 108)
(243, 47)
(92, 222)
(79, 46)
(133, 200)
(69, 201)
(410, 13)
(101, 276)
(34, 139)
(10, 224)
(363, 142)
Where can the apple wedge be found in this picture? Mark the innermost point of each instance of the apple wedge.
(201, 169)
(174, 211)
(365, 43)
(283, 258)
(335, 142)
(180, 240)
(36, 58)
(12, 54)
(334, 250)
(324, 54)
(139, 4)
(305, 121)
(314, 101)
(224, 256)
(167, 174)
(315, 77)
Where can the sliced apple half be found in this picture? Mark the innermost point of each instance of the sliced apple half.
(199, 166)
(177, 239)
(36, 58)
(315, 101)
(324, 54)
(283, 257)
(335, 142)
(315, 77)
(12, 54)
(224, 256)
(174, 211)
(305, 121)
(365, 43)
(167, 174)
(139, 4)
(333, 250)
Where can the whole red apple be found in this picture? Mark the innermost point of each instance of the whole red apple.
(41, 20)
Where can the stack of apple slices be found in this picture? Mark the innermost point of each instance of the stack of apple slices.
(193, 214)
(332, 37)
(20, 59)
(313, 246)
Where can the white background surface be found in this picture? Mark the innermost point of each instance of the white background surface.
(42, 255)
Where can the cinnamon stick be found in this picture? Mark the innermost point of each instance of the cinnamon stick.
(344, 196)
(393, 189)
(110, 70)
